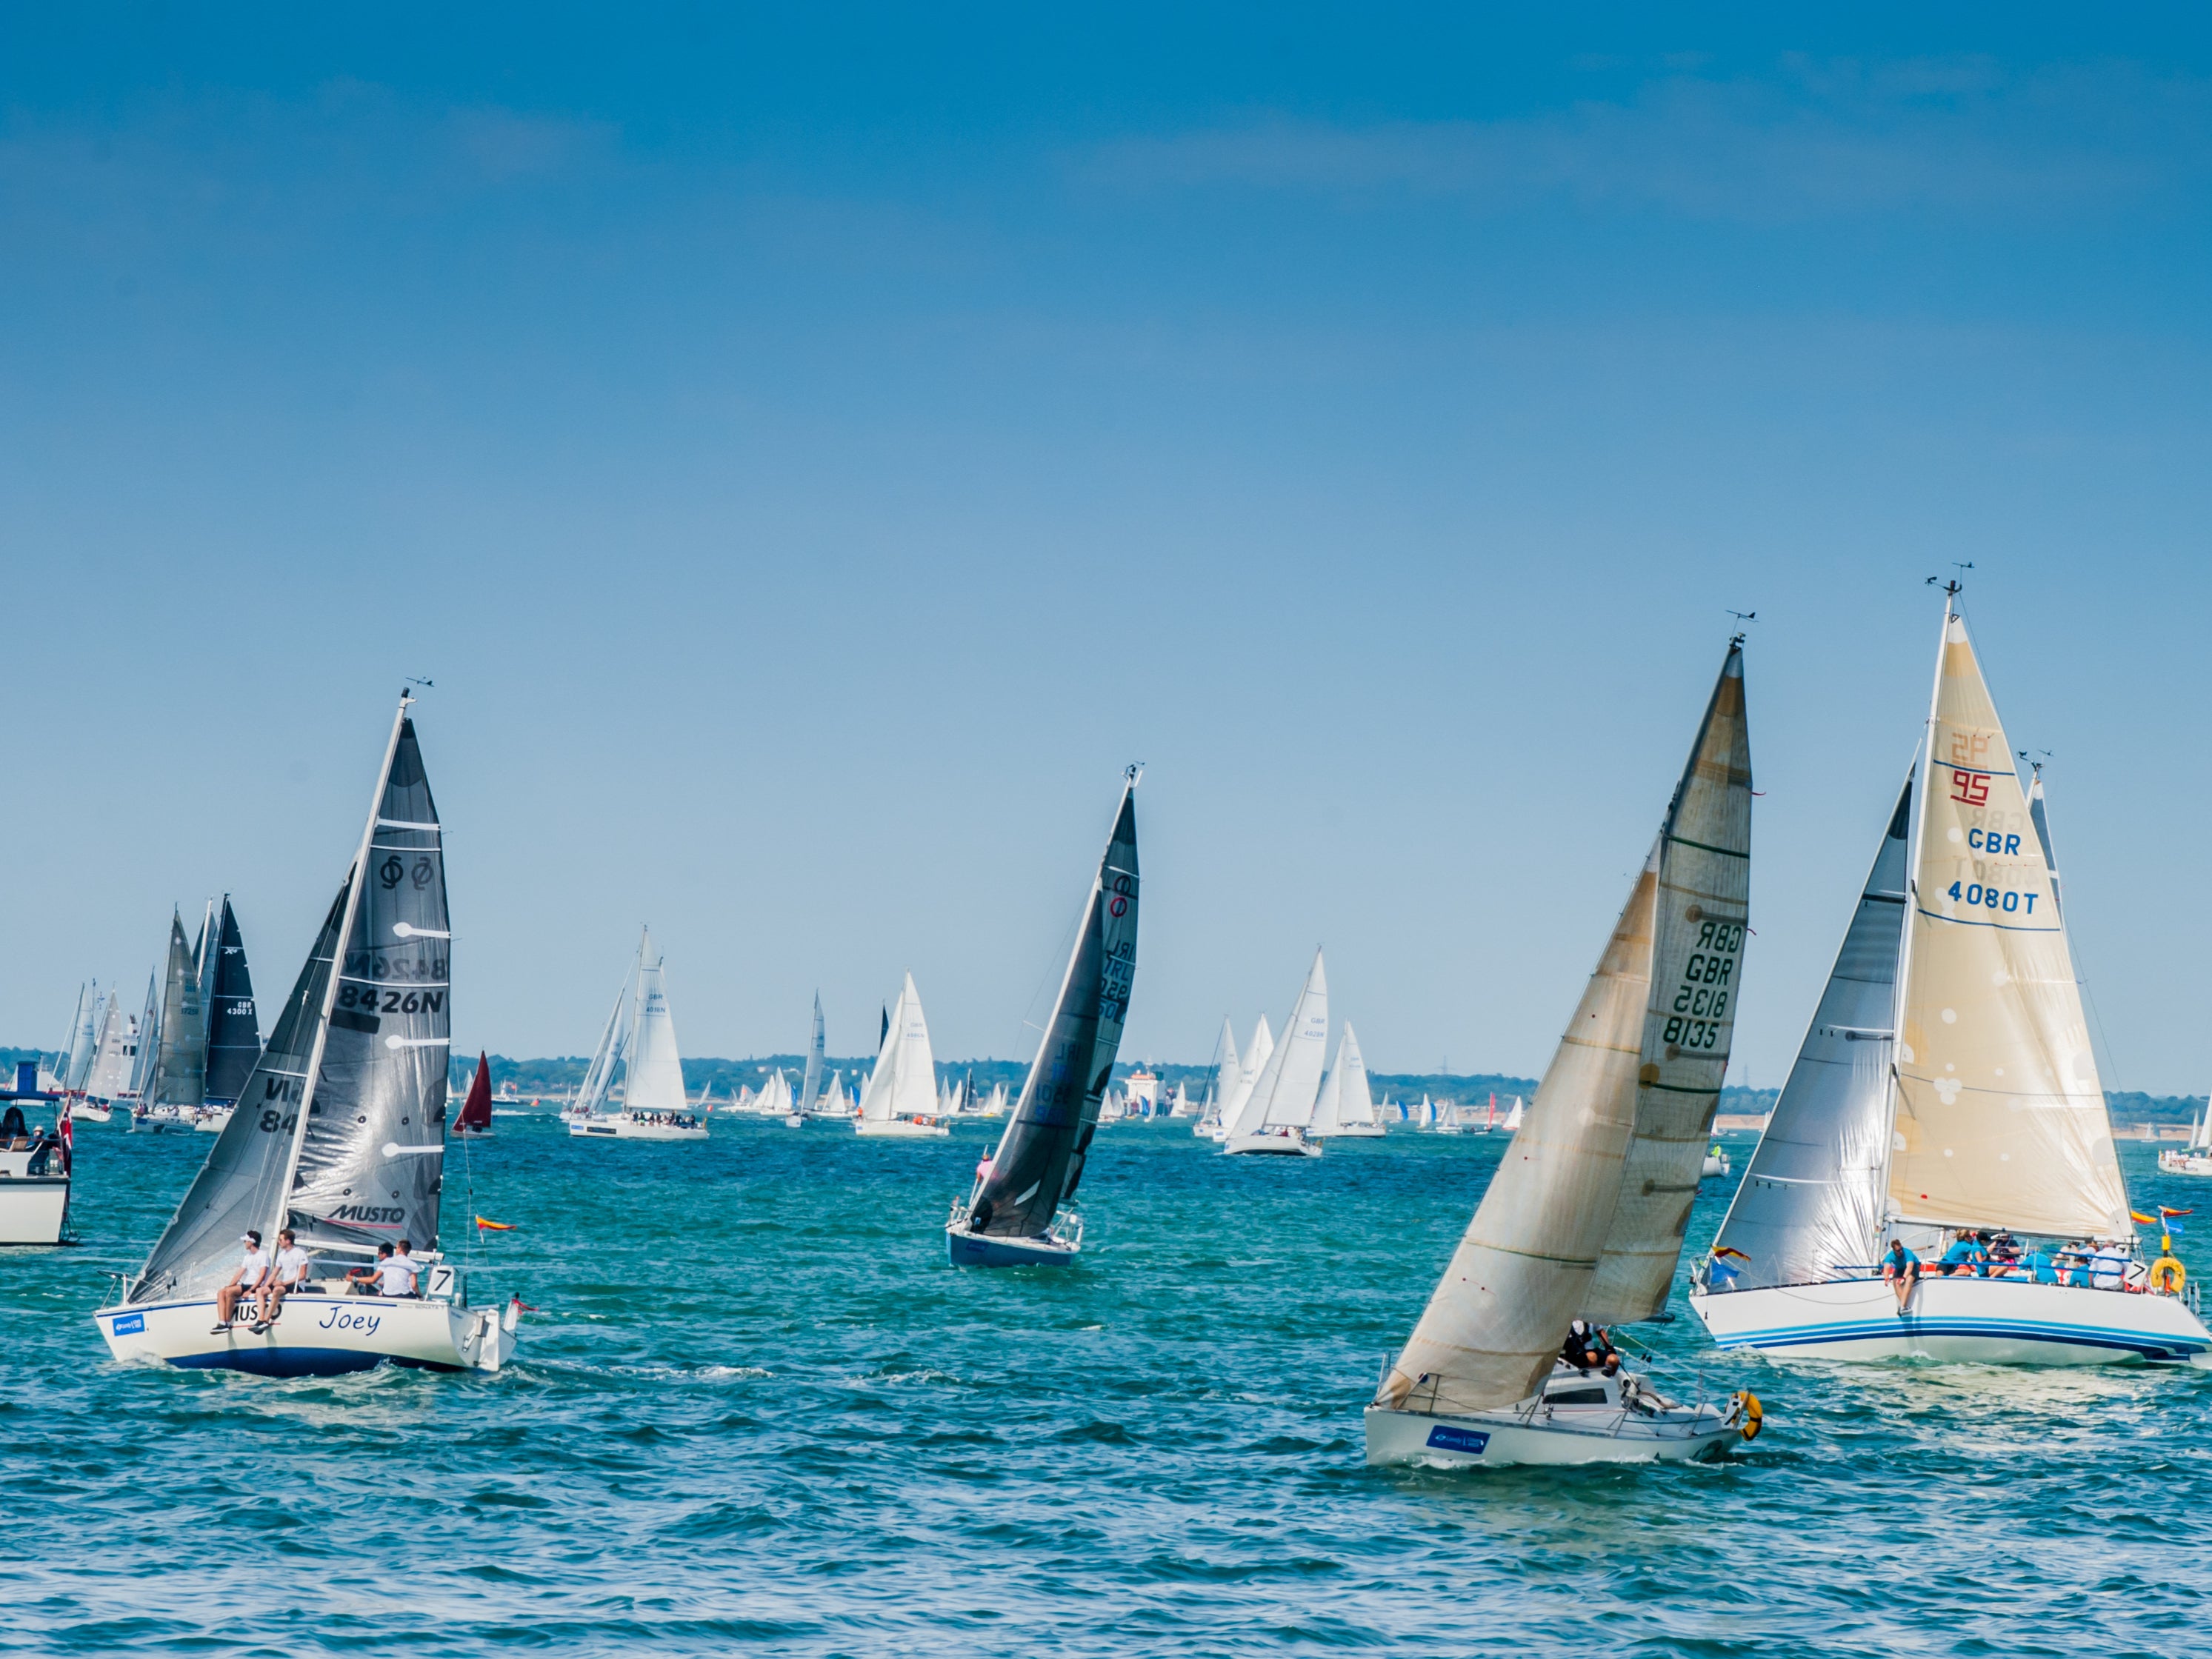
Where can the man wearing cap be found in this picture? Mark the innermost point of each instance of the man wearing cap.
(245, 1282)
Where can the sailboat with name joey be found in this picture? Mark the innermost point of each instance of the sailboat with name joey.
(1586, 1213)
(1946, 1090)
(900, 1101)
(339, 1136)
(475, 1120)
(640, 1041)
(1275, 1113)
(1018, 1214)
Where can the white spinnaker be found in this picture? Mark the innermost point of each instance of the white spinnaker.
(655, 1083)
(1700, 930)
(2000, 1116)
(1494, 1323)
(904, 1082)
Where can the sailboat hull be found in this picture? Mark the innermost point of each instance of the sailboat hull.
(898, 1128)
(966, 1249)
(2178, 1161)
(1990, 1322)
(1354, 1132)
(1496, 1439)
(314, 1336)
(1292, 1145)
(34, 1209)
(626, 1128)
(85, 1111)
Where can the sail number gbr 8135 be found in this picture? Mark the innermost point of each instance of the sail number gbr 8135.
(1697, 1014)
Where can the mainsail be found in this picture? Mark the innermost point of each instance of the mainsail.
(1040, 1158)
(1284, 1093)
(84, 1037)
(904, 1081)
(2000, 1117)
(1256, 1055)
(112, 1055)
(655, 1079)
(368, 1159)
(476, 1110)
(599, 1074)
(233, 1028)
(1226, 1073)
(1346, 1100)
(146, 1038)
(1526, 1265)
(1700, 910)
(810, 1088)
(1811, 1202)
(179, 1074)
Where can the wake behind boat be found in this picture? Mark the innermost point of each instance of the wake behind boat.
(340, 1136)
(1946, 1100)
(1586, 1214)
(1013, 1215)
(639, 1039)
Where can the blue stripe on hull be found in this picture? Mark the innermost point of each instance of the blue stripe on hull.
(283, 1362)
(2064, 1336)
(968, 1251)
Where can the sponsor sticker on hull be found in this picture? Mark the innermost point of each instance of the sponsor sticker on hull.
(1444, 1437)
(128, 1324)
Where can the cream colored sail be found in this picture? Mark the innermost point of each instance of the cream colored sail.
(1529, 1260)
(1704, 889)
(2000, 1116)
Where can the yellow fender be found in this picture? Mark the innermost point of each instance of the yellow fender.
(2167, 1276)
(1753, 1415)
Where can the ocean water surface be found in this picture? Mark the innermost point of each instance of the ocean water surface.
(756, 1411)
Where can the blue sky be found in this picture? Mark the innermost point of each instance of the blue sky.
(812, 453)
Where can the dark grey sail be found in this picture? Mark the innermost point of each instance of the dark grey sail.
(811, 1089)
(233, 1028)
(179, 1074)
(369, 1161)
(1039, 1160)
(240, 1184)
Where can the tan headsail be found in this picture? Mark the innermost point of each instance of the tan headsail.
(1525, 1268)
(1704, 889)
(2000, 1117)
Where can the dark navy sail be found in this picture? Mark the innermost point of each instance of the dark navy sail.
(233, 1028)
(369, 1159)
(1039, 1161)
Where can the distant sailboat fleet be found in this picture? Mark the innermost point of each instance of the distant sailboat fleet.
(1937, 1180)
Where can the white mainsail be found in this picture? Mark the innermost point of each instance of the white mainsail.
(655, 1079)
(810, 1086)
(1226, 1073)
(1527, 1264)
(904, 1081)
(1346, 1100)
(1283, 1095)
(607, 1055)
(84, 1037)
(1256, 1055)
(2000, 1116)
(1513, 1119)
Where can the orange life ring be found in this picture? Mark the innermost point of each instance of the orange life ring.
(1753, 1416)
(2167, 1276)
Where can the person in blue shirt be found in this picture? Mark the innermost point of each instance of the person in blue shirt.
(1962, 1255)
(1901, 1267)
(2040, 1266)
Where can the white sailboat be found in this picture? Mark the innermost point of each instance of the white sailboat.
(2196, 1158)
(834, 1102)
(340, 1137)
(1227, 1069)
(1345, 1111)
(810, 1086)
(1947, 1084)
(1276, 1112)
(1514, 1118)
(1179, 1105)
(1585, 1216)
(641, 1038)
(901, 1099)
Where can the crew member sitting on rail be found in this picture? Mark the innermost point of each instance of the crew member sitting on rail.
(1901, 1267)
(291, 1277)
(244, 1282)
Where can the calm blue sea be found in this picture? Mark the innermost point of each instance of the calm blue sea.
(757, 1412)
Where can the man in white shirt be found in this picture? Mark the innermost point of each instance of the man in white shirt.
(289, 1276)
(245, 1282)
(395, 1274)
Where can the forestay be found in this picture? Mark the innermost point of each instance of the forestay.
(1040, 1158)
(1811, 1202)
(2000, 1116)
(368, 1163)
(1283, 1095)
(1705, 884)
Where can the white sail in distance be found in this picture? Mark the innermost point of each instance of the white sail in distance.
(1283, 1095)
(2000, 1117)
(1525, 1268)
(904, 1081)
(655, 1082)
(1346, 1099)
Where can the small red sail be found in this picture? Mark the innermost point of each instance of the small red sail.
(475, 1111)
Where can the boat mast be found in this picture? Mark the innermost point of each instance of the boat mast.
(1924, 771)
(337, 969)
